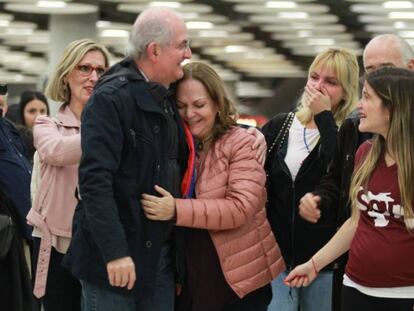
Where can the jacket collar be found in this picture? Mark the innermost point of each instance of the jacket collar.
(66, 117)
(127, 69)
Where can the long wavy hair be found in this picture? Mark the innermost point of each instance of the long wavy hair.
(394, 86)
(345, 65)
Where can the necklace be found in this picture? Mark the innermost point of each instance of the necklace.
(304, 140)
(202, 143)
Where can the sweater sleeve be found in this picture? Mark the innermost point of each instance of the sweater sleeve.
(244, 189)
(330, 186)
(101, 156)
(328, 131)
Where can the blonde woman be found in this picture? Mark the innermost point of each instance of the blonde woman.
(57, 141)
(380, 234)
(301, 145)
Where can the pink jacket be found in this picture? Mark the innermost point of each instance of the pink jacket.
(230, 203)
(57, 141)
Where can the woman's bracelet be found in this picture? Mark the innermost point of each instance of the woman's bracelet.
(314, 266)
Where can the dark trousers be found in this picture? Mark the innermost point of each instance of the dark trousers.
(63, 291)
(255, 301)
(354, 300)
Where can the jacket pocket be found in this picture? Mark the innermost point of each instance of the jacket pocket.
(136, 137)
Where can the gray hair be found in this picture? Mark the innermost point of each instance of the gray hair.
(152, 25)
(404, 48)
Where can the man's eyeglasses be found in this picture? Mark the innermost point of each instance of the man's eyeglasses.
(185, 45)
(86, 70)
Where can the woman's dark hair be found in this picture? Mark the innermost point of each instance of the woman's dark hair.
(28, 96)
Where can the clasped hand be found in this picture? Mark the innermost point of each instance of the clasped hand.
(309, 207)
(302, 275)
(158, 208)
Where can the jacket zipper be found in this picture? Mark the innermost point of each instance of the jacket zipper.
(293, 216)
(133, 135)
(292, 232)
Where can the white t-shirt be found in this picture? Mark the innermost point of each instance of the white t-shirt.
(300, 143)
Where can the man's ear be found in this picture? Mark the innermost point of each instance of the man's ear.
(153, 50)
(410, 64)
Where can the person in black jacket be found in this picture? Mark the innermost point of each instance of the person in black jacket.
(15, 285)
(132, 139)
(15, 170)
(333, 191)
(301, 146)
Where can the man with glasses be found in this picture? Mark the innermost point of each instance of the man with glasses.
(132, 139)
(333, 191)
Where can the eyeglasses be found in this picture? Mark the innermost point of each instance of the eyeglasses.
(86, 70)
(185, 45)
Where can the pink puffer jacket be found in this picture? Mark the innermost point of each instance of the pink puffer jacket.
(230, 203)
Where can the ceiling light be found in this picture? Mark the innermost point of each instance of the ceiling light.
(255, 55)
(4, 23)
(199, 25)
(304, 33)
(281, 4)
(7, 17)
(103, 24)
(398, 5)
(236, 48)
(119, 33)
(181, 8)
(401, 15)
(15, 57)
(213, 33)
(51, 7)
(173, 5)
(18, 31)
(302, 25)
(293, 15)
(51, 4)
(400, 25)
(189, 15)
(406, 34)
(320, 49)
(18, 77)
(39, 39)
(320, 41)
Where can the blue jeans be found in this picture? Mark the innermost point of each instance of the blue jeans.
(316, 297)
(98, 299)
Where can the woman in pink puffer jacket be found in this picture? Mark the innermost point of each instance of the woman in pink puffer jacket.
(231, 253)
